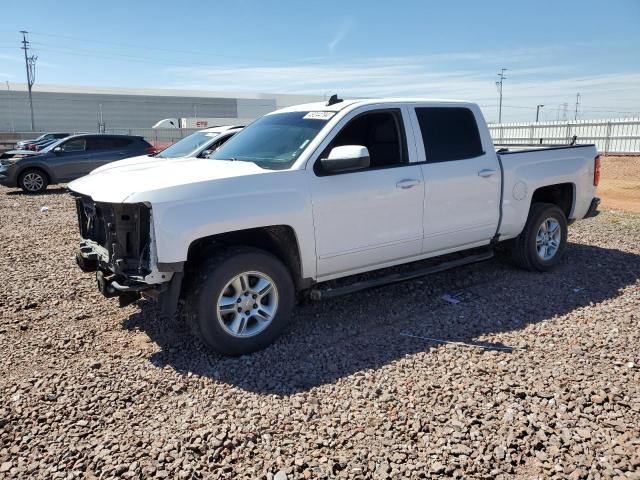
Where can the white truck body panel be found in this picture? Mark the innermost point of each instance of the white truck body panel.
(349, 223)
(529, 170)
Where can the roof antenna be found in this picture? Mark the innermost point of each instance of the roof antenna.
(333, 100)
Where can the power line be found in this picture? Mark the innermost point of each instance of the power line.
(155, 49)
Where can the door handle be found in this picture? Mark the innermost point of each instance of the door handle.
(486, 173)
(408, 183)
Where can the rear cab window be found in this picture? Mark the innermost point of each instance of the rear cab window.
(449, 133)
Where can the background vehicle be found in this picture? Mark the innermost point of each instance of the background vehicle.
(40, 144)
(198, 144)
(320, 192)
(187, 122)
(45, 136)
(68, 159)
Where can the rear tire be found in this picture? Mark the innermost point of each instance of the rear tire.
(541, 244)
(240, 300)
(33, 180)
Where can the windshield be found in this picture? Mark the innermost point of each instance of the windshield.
(188, 145)
(274, 141)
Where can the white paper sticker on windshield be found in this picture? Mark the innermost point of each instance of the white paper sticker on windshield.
(211, 134)
(319, 115)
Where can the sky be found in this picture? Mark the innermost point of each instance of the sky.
(552, 50)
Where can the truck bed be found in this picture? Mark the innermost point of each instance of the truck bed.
(526, 168)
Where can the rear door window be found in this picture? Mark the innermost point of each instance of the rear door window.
(122, 142)
(449, 134)
(109, 143)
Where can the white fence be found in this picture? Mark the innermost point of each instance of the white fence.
(610, 136)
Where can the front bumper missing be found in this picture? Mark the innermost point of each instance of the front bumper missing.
(130, 290)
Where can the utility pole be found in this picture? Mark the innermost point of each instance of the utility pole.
(538, 112)
(575, 117)
(30, 65)
(13, 126)
(101, 128)
(502, 78)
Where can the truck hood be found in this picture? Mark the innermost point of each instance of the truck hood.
(121, 183)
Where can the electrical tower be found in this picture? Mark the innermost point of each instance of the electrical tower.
(30, 65)
(575, 117)
(501, 78)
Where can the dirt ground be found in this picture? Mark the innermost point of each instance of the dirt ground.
(620, 183)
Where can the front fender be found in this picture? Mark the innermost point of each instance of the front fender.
(237, 204)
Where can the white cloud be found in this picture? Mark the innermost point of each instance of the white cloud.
(464, 75)
(343, 30)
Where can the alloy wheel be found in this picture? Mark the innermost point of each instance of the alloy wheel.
(247, 304)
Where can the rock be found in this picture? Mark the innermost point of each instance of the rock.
(281, 475)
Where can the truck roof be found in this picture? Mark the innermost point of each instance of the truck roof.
(336, 107)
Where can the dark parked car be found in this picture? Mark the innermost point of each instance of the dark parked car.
(23, 144)
(68, 159)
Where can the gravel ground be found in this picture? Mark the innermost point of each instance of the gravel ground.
(549, 386)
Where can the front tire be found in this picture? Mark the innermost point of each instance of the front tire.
(541, 244)
(33, 180)
(240, 300)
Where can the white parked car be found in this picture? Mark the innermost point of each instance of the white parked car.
(323, 191)
(198, 144)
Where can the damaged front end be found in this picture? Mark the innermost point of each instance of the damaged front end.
(118, 244)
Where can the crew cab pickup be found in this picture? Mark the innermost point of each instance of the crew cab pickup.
(320, 192)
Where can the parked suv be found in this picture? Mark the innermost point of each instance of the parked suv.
(68, 159)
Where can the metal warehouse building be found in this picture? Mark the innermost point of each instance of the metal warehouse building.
(71, 108)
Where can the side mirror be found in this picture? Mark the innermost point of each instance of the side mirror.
(58, 150)
(346, 158)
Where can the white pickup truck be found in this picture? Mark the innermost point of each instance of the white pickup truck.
(318, 192)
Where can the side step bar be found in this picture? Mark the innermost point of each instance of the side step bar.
(322, 294)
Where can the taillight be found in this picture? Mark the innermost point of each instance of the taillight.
(596, 171)
(151, 150)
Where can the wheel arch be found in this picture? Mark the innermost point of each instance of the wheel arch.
(50, 178)
(279, 240)
(561, 194)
